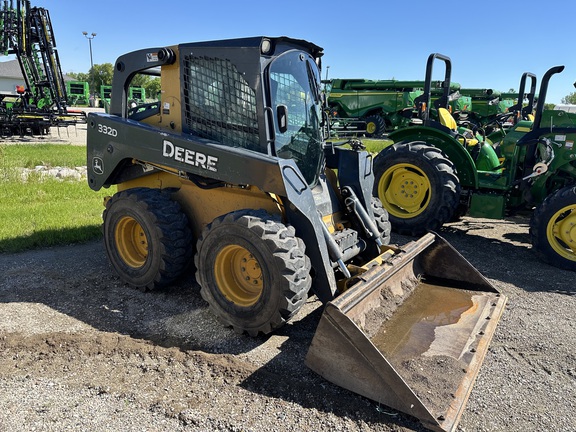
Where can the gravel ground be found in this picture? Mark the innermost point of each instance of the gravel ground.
(81, 351)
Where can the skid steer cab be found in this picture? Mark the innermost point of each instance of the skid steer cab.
(229, 171)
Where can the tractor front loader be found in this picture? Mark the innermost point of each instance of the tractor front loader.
(231, 170)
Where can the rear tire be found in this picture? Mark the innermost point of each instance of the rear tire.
(553, 229)
(147, 237)
(417, 185)
(252, 270)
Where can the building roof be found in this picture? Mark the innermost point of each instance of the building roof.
(11, 69)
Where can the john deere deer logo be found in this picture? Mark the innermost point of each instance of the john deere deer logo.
(98, 165)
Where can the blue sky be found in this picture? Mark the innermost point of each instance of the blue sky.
(490, 43)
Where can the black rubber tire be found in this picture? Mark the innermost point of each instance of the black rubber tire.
(557, 211)
(419, 163)
(382, 220)
(460, 212)
(375, 126)
(166, 245)
(283, 275)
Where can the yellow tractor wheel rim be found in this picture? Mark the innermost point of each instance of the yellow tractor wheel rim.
(131, 242)
(238, 275)
(404, 190)
(371, 127)
(561, 232)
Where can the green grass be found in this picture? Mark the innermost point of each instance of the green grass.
(45, 212)
(376, 145)
(29, 156)
(373, 145)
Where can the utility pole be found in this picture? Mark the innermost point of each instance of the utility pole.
(92, 36)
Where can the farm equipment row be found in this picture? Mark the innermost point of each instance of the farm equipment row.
(371, 108)
(491, 156)
(437, 170)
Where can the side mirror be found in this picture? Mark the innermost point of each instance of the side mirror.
(282, 116)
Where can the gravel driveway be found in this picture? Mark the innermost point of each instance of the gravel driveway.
(81, 351)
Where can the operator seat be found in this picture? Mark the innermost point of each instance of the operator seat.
(447, 120)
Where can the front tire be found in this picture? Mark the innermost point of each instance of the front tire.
(417, 185)
(375, 125)
(382, 220)
(147, 237)
(553, 229)
(252, 270)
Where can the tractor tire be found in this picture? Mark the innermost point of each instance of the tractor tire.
(252, 270)
(147, 237)
(417, 185)
(375, 126)
(382, 220)
(553, 229)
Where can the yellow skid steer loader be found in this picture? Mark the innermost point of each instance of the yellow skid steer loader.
(230, 169)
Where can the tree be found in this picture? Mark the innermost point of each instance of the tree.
(140, 80)
(100, 74)
(80, 76)
(153, 88)
(569, 99)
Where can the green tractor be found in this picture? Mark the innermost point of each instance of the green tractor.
(494, 113)
(372, 107)
(487, 105)
(436, 171)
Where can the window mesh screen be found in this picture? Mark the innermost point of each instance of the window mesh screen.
(290, 93)
(219, 104)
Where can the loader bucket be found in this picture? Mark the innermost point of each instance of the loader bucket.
(411, 333)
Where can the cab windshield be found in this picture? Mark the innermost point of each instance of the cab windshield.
(294, 90)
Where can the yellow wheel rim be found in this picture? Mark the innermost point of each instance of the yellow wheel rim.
(561, 232)
(370, 127)
(131, 242)
(404, 190)
(238, 275)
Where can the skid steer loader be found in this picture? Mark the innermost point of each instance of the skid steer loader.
(231, 167)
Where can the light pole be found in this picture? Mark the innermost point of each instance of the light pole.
(92, 36)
